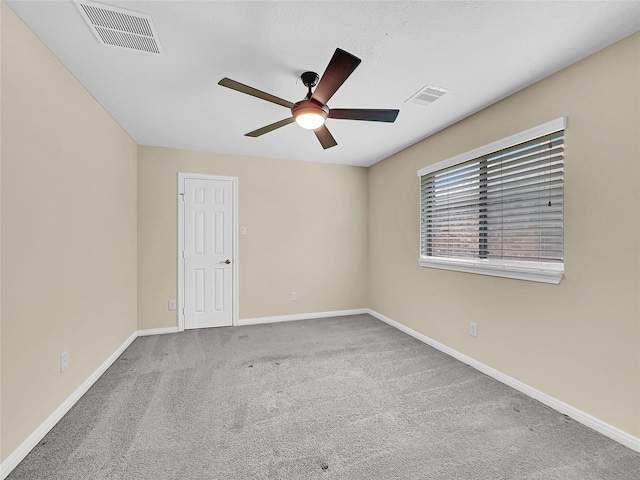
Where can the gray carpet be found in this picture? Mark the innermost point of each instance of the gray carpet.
(338, 398)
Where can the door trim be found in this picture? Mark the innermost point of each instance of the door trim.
(182, 176)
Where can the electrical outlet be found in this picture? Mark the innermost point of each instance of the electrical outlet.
(172, 304)
(64, 361)
(473, 329)
(243, 230)
(294, 296)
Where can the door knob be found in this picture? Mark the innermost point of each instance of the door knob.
(227, 261)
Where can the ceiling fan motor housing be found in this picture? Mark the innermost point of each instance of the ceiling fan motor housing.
(309, 105)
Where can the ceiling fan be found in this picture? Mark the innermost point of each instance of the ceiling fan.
(312, 111)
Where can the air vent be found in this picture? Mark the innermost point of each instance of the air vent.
(427, 95)
(121, 28)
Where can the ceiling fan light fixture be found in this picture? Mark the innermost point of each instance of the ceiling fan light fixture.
(309, 114)
(310, 121)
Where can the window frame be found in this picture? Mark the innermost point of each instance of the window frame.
(546, 272)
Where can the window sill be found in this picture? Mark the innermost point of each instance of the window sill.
(520, 270)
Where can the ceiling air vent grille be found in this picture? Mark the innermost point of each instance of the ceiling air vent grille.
(427, 95)
(121, 28)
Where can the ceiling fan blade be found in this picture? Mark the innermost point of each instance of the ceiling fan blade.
(270, 128)
(242, 88)
(325, 137)
(368, 114)
(341, 65)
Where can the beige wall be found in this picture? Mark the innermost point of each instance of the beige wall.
(306, 227)
(68, 233)
(578, 341)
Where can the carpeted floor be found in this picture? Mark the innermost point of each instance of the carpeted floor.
(340, 398)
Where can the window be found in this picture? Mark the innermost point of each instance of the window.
(498, 210)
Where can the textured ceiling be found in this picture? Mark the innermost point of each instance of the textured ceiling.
(480, 51)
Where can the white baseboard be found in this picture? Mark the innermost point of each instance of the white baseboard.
(300, 316)
(38, 434)
(584, 418)
(157, 331)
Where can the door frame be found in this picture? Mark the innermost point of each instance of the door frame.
(182, 176)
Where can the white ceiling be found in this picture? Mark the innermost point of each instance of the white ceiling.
(480, 51)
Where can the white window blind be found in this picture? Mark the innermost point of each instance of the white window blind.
(501, 209)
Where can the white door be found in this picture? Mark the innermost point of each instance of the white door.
(208, 230)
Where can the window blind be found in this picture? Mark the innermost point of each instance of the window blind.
(503, 205)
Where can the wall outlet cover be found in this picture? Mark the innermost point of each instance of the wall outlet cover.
(473, 329)
(64, 361)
